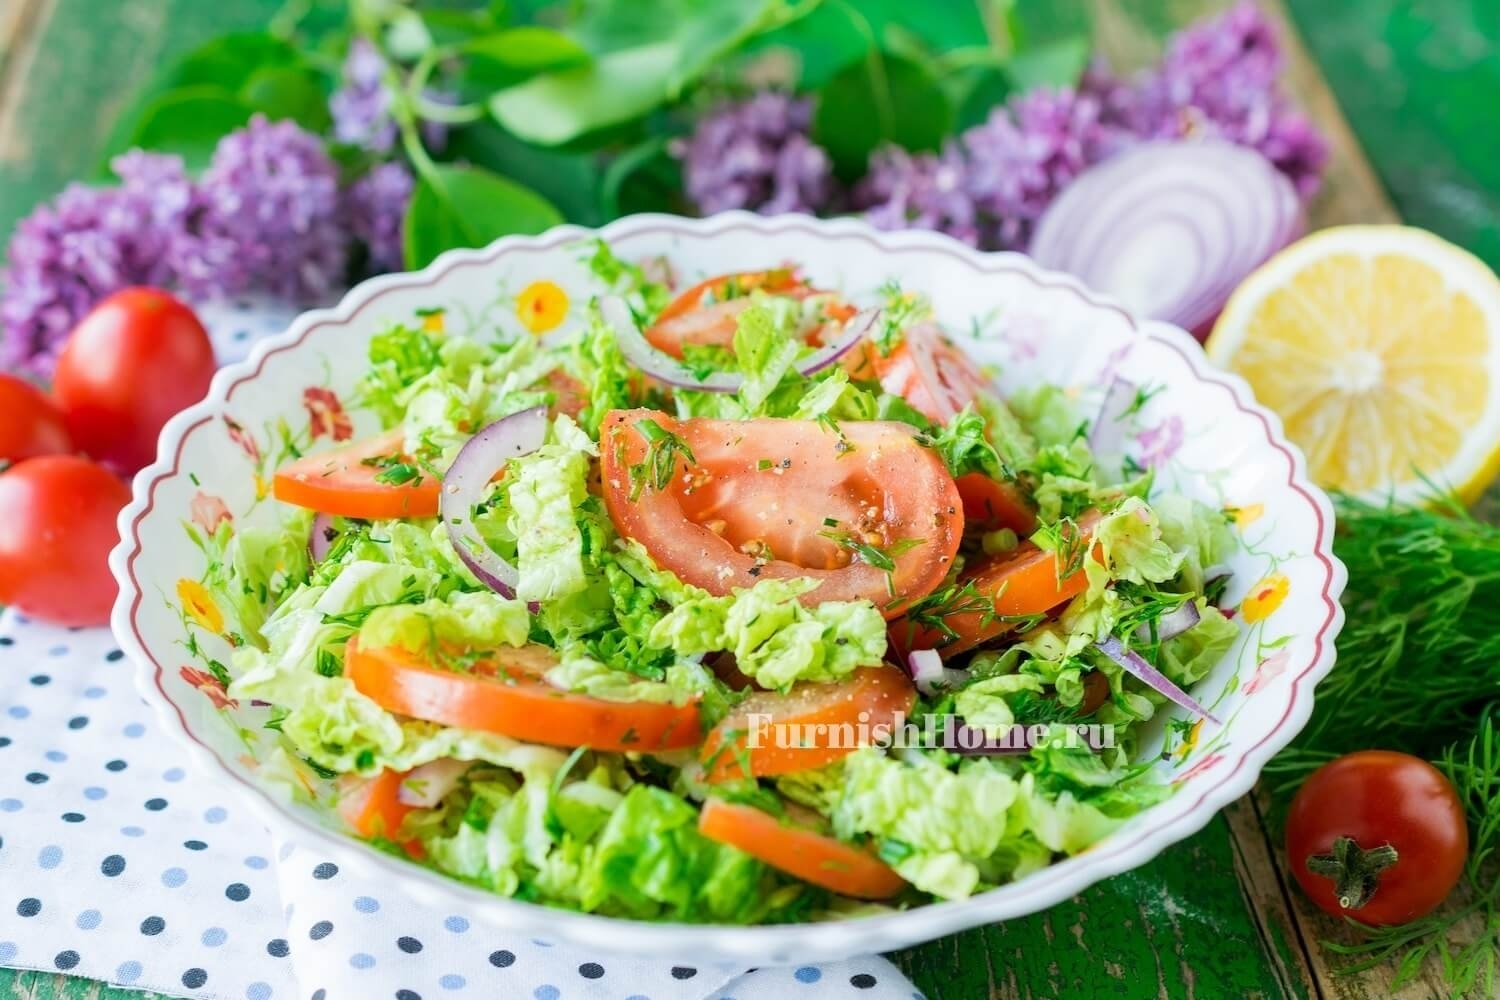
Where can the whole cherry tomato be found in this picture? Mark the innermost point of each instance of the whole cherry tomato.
(57, 526)
(132, 363)
(30, 425)
(1377, 836)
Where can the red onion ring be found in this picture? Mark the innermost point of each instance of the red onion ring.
(1173, 623)
(320, 537)
(927, 671)
(1171, 228)
(1135, 665)
(463, 486)
(667, 369)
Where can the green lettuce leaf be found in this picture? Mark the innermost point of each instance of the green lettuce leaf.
(465, 620)
(545, 489)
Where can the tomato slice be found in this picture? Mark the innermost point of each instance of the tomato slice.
(870, 697)
(932, 374)
(709, 312)
(373, 808)
(990, 504)
(863, 509)
(506, 693)
(795, 846)
(1014, 585)
(343, 482)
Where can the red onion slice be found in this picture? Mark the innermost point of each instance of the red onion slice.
(929, 674)
(427, 785)
(1171, 228)
(1107, 436)
(320, 537)
(667, 369)
(464, 485)
(1173, 623)
(1135, 665)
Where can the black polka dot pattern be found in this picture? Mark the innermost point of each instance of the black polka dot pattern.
(502, 959)
(325, 871)
(278, 948)
(195, 845)
(66, 960)
(237, 891)
(683, 972)
(112, 865)
(78, 722)
(72, 817)
(156, 805)
(41, 680)
(591, 970)
(153, 926)
(319, 995)
(36, 778)
(4, 742)
(862, 981)
(410, 945)
(194, 978)
(320, 930)
(115, 765)
(408, 995)
(29, 907)
(114, 656)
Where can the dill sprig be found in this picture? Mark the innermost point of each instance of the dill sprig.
(1419, 655)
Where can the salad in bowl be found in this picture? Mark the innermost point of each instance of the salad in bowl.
(742, 596)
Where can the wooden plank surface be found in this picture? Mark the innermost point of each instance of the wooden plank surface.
(1213, 917)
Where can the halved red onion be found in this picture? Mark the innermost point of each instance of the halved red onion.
(1171, 228)
(427, 785)
(320, 537)
(665, 368)
(464, 485)
(1173, 623)
(1135, 665)
(1107, 436)
(929, 674)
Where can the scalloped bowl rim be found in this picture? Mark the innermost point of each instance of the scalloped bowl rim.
(753, 944)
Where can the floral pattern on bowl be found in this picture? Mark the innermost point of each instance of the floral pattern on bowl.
(1198, 430)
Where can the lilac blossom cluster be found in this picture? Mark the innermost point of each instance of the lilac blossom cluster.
(989, 185)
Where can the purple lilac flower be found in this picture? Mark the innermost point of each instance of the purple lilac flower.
(271, 216)
(921, 191)
(1026, 153)
(756, 154)
(88, 243)
(376, 209)
(361, 107)
(1219, 78)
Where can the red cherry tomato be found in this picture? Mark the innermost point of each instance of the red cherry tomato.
(132, 363)
(57, 526)
(30, 425)
(1377, 836)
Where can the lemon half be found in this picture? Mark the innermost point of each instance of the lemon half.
(1379, 347)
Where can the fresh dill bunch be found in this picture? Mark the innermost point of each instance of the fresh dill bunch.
(1419, 656)
(1464, 939)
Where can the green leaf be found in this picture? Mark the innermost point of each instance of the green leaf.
(644, 178)
(568, 180)
(290, 92)
(557, 107)
(985, 90)
(878, 100)
(223, 65)
(189, 122)
(457, 27)
(645, 54)
(1056, 64)
(459, 206)
(505, 58)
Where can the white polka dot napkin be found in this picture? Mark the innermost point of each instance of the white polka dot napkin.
(119, 863)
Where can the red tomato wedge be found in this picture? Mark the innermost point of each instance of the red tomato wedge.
(343, 482)
(709, 312)
(373, 808)
(990, 504)
(1018, 584)
(869, 697)
(506, 694)
(795, 846)
(782, 499)
(928, 371)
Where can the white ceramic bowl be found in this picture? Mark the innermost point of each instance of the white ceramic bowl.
(1203, 431)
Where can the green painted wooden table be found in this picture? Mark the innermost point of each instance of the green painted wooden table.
(1214, 916)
